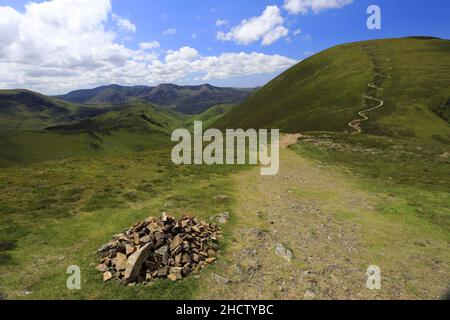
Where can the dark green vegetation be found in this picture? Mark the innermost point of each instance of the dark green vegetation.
(136, 116)
(211, 116)
(27, 110)
(443, 110)
(325, 91)
(185, 99)
(413, 177)
(76, 131)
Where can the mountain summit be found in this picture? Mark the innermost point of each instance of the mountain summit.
(400, 85)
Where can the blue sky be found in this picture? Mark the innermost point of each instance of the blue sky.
(328, 28)
(195, 25)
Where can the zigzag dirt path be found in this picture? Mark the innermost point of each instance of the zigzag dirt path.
(356, 123)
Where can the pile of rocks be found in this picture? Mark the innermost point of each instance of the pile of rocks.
(155, 249)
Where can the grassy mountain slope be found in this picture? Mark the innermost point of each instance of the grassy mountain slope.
(27, 110)
(185, 99)
(105, 94)
(129, 128)
(134, 116)
(210, 116)
(325, 91)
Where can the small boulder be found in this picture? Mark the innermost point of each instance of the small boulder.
(309, 294)
(135, 262)
(121, 262)
(102, 267)
(282, 251)
(220, 279)
(177, 241)
(145, 239)
(163, 272)
(107, 276)
(223, 218)
(129, 249)
(172, 277)
(176, 270)
(163, 250)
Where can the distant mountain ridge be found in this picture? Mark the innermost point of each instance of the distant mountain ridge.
(36, 128)
(184, 99)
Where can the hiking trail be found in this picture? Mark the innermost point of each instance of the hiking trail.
(334, 232)
(379, 77)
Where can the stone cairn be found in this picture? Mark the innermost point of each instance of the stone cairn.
(159, 249)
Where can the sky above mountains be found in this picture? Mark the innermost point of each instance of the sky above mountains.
(60, 45)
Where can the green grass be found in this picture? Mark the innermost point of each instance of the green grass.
(325, 91)
(23, 110)
(55, 214)
(134, 116)
(211, 116)
(413, 178)
(132, 127)
(96, 171)
(28, 147)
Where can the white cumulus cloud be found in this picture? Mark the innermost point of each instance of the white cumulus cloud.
(149, 45)
(170, 32)
(304, 6)
(221, 22)
(268, 27)
(240, 64)
(183, 54)
(124, 24)
(61, 45)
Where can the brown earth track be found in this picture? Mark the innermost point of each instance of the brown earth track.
(334, 231)
(356, 123)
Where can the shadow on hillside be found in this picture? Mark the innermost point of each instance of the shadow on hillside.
(446, 296)
(5, 248)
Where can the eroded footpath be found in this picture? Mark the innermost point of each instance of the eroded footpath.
(311, 233)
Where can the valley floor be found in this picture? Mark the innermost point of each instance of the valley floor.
(335, 233)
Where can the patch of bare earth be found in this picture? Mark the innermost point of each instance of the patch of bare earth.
(332, 231)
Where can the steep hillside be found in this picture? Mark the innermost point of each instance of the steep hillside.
(185, 99)
(139, 116)
(105, 94)
(118, 129)
(327, 91)
(27, 110)
(210, 116)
